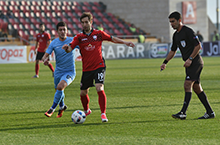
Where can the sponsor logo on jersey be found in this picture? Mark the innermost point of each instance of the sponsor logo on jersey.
(183, 43)
(89, 47)
(84, 39)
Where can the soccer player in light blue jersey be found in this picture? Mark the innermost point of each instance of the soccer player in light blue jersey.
(65, 68)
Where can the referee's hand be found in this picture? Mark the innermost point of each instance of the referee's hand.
(162, 67)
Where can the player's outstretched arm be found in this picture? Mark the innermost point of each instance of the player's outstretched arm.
(67, 48)
(120, 41)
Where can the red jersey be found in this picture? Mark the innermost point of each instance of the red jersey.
(42, 39)
(91, 48)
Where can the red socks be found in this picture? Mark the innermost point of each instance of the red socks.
(51, 67)
(85, 102)
(37, 67)
(102, 101)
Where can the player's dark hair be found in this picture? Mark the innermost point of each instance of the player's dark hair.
(60, 24)
(86, 14)
(176, 15)
(41, 24)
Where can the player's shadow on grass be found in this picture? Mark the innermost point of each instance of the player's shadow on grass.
(70, 124)
(109, 108)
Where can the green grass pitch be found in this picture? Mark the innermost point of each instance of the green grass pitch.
(141, 100)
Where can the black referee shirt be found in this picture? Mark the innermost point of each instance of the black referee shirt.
(186, 40)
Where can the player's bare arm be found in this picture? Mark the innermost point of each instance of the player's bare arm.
(48, 43)
(170, 55)
(192, 56)
(120, 41)
(36, 46)
(45, 59)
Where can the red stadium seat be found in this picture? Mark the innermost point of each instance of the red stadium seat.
(56, 3)
(97, 22)
(47, 9)
(117, 32)
(16, 26)
(27, 26)
(28, 3)
(24, 3)
(27, 15)
(3, 8)
(84, 8)
(56, 9)
(49, 26)
(76, 21)
(12, 21)
(13, 3)
(97, 4)
(54, 20)
(67, 3)
(21, 33)
(75, 32)
(111, 25)
(23, 21)
(44, 20)
(79, 26)
(105, 20)
(46, 3)
(66, 9)
(76, 10)
(94, 8)
(13, 8)
(76, 3)
(87, 4)
(32, 33)
(70, 14)
(2, 3)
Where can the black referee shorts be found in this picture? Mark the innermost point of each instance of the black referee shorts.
(193, 72)
(88, 78)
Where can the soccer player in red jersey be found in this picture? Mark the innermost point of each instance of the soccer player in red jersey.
(90, 43)
(42, 42)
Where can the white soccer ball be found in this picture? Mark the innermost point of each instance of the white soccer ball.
(78, 117)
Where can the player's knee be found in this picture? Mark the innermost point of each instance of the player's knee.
(188, 86)
(61, 86)
(84, 92)
(99, 87)
(197, 88)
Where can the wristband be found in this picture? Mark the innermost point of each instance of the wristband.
(165, 61)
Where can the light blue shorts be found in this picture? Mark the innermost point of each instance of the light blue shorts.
(67, 76)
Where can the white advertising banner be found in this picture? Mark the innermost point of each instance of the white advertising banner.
(13, 54)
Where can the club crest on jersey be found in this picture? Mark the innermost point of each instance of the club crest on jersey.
(183, 43)
(95, 37)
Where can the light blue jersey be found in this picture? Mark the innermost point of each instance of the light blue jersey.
(64, 61)
(64, 71)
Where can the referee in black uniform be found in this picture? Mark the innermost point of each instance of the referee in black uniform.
(185, 39)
